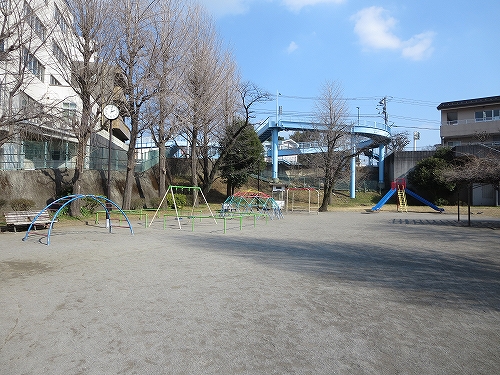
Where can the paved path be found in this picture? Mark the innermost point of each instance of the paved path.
(335, 293)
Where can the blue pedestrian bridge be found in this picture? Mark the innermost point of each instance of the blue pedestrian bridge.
(367, 134)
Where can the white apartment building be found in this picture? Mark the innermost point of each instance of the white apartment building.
(34, 75)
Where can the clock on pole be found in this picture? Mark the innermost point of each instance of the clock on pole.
(111, 112)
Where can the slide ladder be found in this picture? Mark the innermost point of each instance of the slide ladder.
(402, 206)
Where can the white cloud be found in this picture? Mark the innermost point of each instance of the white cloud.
(297, 5)
(418, 47)
(292, 47)
(375, 27)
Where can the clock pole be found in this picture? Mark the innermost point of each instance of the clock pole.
(111, 112)
(110, 143)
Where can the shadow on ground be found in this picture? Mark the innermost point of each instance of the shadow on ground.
(419, 276)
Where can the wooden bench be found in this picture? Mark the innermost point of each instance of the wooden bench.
(18, 218)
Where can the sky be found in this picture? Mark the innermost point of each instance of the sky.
(417, 54)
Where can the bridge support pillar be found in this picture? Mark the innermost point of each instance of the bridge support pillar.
(274, 154)
(352, 187)
(381, 159)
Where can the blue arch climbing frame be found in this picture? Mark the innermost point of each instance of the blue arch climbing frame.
(70, 198)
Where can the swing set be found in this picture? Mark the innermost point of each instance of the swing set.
(194, 189)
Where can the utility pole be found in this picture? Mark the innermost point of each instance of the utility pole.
(383, 103)
(381, 148)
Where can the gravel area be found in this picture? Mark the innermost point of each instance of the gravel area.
(329, 293)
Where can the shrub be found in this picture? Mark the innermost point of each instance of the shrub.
(22, 204)
(3, 202)
(64, 211)
(137, 204)
(89, 206)
(154, 202)
(180, 201)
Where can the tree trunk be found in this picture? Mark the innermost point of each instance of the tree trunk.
(78, 174)
(130, 176)
(327, 196)
(194, 165)
(162, 167)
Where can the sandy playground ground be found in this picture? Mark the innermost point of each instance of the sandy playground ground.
(330, 293)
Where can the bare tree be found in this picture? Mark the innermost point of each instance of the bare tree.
(398, 142)
(205, 84)
(169, 68)
(473, 169)
(136, 47)
(84, 60)
(332, 112)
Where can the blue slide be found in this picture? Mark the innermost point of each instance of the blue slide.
(424, 201)
(384, 199)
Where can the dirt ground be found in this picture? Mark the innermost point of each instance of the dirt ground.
(331, 293)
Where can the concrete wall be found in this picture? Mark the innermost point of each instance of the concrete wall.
(43, 186)
(398, 164)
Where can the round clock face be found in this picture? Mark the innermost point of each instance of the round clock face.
(111, 112)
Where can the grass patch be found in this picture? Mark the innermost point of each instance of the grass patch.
(343, 199)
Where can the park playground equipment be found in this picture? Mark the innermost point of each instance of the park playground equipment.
(65, 201)
(172, 189)
(399, 187)
(295, 199)
(247, 202)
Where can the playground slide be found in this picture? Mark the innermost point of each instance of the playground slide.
(424, 201)
(384, 199)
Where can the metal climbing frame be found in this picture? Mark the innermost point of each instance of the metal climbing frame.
(65, 201)
(251, 201)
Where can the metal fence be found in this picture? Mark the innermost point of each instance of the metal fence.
(30, 155)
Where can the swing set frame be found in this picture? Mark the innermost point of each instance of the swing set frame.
(177, 216)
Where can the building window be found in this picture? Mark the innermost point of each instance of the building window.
(69, 110)
(34, 21)
(54, 81)
(33, 64)
(488, 115)
(453, 143)
(60, 20)
(28, 104)
(59, 54)
(452, 118)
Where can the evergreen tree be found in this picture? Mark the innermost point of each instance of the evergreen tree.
(243, 158)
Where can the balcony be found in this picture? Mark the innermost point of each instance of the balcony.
(467, 127)
(471, 121)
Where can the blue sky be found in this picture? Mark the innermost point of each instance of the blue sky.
(417, 53)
